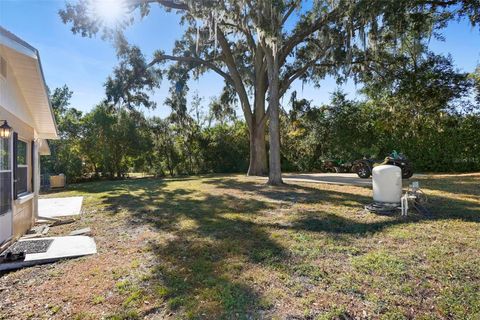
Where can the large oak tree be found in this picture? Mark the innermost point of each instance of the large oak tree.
(259, 48)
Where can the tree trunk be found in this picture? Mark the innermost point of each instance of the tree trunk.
(275, 170)
(258, 151)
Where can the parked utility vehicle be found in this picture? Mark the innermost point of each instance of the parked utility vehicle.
(363, 167)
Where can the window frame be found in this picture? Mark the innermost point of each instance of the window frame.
(9, 172)
(26, 166)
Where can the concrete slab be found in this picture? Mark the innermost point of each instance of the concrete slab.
(59, 207)
(61, 248)
(81, 232)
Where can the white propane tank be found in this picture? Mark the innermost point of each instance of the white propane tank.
(387, 184)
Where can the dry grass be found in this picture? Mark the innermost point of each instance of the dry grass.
(230, 247)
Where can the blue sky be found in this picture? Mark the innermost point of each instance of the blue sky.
(83, 63)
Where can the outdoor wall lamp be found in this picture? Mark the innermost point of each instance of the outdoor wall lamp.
(5, 130)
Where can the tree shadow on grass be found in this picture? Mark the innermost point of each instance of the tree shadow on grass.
(334, 224)
(101, 186)
(467, 184)
(199, 268)
(209, 239)
(212, 236)
(441, 208)
(291, 192)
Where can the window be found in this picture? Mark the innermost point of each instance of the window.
(22, 167)
(5, 176)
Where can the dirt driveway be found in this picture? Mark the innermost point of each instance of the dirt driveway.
(329, 178)
(332, 178)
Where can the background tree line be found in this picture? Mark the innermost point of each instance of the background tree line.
(110, 143)
(421, 106)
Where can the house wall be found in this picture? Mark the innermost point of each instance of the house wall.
(23, 219)
(13, 108)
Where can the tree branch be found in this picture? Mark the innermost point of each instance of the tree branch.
(172, 4)
(289, 12)
(236, 77)
(441, 3)
(302, 33)
(297, 73)
(160, 57)
(248, 35)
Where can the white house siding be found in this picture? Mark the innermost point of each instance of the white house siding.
(23, 218)
(13, 108)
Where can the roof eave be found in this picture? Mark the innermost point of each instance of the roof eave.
(56, 135)
(17, 44)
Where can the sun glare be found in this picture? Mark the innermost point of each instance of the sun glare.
(110, 12)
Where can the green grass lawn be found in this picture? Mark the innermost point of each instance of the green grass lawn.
(230, 247)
